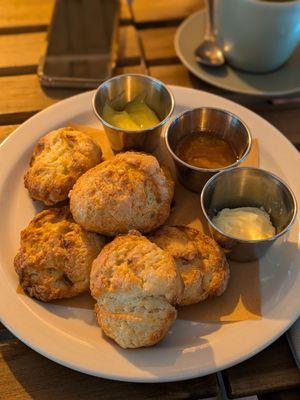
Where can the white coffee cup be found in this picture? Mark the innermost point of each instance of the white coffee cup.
(257, 35)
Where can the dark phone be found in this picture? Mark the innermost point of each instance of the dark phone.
(82, 43)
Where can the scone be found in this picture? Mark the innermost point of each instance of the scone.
(129, 191)
(136, 285)
(201, 262)
(58, 160)
(55, 257)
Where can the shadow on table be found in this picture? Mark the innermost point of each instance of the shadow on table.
(37, 377)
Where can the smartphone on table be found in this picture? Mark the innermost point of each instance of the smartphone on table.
(82, 43)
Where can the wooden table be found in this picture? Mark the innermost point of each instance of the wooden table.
(146, 46)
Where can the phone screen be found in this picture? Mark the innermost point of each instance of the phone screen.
(81, 40)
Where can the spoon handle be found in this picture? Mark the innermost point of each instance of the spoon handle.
(209, 31)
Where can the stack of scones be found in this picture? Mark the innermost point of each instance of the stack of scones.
(97, 240)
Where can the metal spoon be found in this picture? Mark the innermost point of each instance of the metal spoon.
(209, 53)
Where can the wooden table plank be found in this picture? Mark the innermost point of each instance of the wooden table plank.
(129, 49)
(20, 53)
(5, 131)
(24, 374)
(131, 69)
(19, 15)
(126, 17)
(293, 394)
(157, 11)
(271, 370)
(158, 45)
(22, 96)
(35, 15)
(177, 74)
(284, 120)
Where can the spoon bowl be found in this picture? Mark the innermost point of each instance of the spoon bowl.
(208, 53)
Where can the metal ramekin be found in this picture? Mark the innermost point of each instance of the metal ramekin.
(248, 187)
(121, 90)
(206, 119)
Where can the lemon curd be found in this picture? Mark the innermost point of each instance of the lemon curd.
(248, 223)
(136, 115)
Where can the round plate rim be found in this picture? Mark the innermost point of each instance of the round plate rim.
(192, 372)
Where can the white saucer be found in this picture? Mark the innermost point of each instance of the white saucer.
(284, 81)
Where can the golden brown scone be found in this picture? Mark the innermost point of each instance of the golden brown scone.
(136, 285)
(58, 160)
(55, 257)
(201, 262)
(129, 191)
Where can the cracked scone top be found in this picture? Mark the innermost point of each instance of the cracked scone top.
(129, 191)
(136, 285)
(200, 260)
(58, 160)
(55, 256)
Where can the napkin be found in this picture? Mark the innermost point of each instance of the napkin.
(293, 336)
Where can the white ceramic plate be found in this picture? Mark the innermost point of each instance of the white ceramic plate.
(67, 333)
(283, 81)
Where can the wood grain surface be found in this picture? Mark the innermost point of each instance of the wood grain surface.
(29, 15)
(293, 394)
(22, 96)
(158, 45)
(129, 50)
(20, 53)
(24, 374)
(273, 369)
(5, 131)
(145, 11)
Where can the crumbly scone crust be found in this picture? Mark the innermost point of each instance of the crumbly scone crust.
(201, 262)
(135, 284)
(129, 191)
(143, 324)
(58, 160)
(55, 255)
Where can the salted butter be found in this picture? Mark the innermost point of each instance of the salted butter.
(249, 223)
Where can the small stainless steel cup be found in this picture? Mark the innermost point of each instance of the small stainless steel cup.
(208, 120)
(248, 187)
(124, 88)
